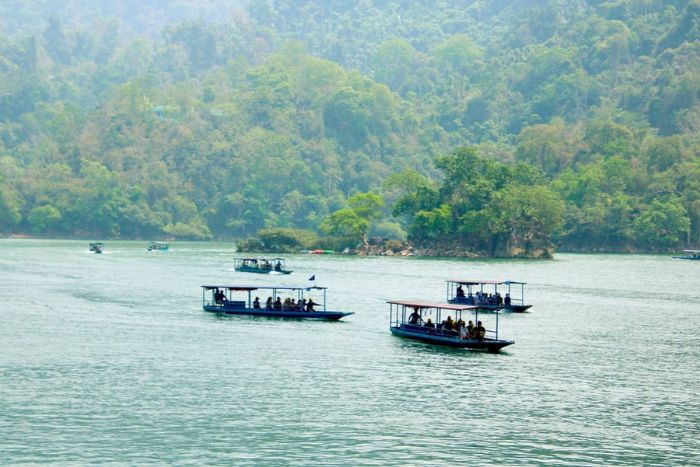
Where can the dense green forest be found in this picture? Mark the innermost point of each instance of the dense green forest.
(499, 126)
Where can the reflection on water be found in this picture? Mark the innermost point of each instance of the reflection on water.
(109, 358)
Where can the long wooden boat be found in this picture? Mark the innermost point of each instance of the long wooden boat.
(423, 321)
(223, 299)
(689, 254)
(261, 265)
(486, 295)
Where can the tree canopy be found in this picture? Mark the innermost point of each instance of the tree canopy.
(490, 124)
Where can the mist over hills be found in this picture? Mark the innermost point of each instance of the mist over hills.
(215, 119)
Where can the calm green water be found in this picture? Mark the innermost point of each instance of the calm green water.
(110, 358)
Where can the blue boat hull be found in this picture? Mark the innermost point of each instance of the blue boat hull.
(511, 307)
(325, 315)
(262, 271)
(432, 336)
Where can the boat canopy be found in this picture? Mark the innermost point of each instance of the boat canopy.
(261, 287)
(691, 251)
(474, 281)
(444, 306)
(485, 282)
(260, 259)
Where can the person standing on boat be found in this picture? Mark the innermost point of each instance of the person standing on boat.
(460, 291)
(219, 296)
(415, 316)
(310, 305)
(506, 301)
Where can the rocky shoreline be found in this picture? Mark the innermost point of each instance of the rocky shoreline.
(394, 248)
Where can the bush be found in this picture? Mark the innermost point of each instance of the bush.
(279, 240)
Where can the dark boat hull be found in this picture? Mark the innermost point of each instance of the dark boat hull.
(324, 315)
(262, 271)
(511, 307)
(432, 336)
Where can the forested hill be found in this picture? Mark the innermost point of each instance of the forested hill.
(210, 119)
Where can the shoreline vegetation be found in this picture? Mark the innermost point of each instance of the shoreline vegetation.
(373, 247)
(466, 128)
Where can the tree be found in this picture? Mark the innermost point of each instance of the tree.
(662, 225)
(42, 218)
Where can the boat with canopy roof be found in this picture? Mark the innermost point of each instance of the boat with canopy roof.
(157, 246)
(424, 321)
(261, 265)
(689, 254)
(281, 301)
(486, 295)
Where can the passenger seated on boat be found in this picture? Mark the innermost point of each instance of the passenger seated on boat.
(499, 299)
(310, 305)
(278, 304)
(301, 305)
(415, 316)
(429, 324)
(449, 325)
(292, 305)
(256, 303)
(506, 301)
(460, 291)
(462, 329)
(268, 303)
(480, 331)
(470, 298)
(470, 330)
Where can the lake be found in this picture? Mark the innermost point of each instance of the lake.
(110, 358)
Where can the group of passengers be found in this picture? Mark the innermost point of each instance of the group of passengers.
(219, 297)
(263, 265)
(465, 331)
(482, 298)
(289, 304)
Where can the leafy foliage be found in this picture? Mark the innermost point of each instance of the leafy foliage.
(582, 120)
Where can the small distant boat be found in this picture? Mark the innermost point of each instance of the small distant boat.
(318, 252)
(157, 246)
(689, 254)
(261, 265)
(423, 321)
(97, 247)
(485, 294)
(282, 302)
